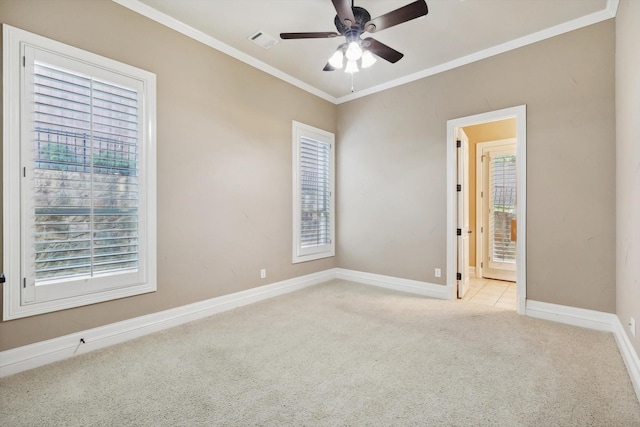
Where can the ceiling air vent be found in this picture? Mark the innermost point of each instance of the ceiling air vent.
(263, 39)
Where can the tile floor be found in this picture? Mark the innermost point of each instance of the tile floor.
(495, 293)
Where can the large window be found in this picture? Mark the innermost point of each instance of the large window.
(313, 206)
(79, 177)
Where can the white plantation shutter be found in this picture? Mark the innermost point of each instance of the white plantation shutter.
(502, 182)
(80, 165)
(315, 190)
(313, 208)
(85, 169)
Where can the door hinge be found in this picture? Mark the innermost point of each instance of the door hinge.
(482, 229)
(458, 187)
(481, 264)
(458, 143)
(24, 282)
(482, 194)
(458, 276)
(24, 172)
(24, 61)
(459, 231)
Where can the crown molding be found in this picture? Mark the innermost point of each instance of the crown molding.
(216, 44)
(608, 12)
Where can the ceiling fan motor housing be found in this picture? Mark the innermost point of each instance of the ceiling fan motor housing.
(362, 17)
(362, 22)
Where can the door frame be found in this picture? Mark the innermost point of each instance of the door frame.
(520, 114)
(462, 173)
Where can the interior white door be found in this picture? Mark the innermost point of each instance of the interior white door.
(499, 206)
(463, 213)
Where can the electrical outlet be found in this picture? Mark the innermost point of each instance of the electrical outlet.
(632, 326)
(263, 273)
(438, 272)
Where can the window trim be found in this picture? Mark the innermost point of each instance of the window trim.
(14, 41)
(299, 254)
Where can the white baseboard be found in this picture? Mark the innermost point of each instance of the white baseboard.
(396, 283)
(45, 352)
(593, 320)
(628, 353)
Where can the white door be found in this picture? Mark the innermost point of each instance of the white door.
(463, 213)
(499, 212)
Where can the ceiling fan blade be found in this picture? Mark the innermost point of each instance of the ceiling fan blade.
(382, 50)
(328, 67)
(327, 35)
(345, 13)
(406, 13)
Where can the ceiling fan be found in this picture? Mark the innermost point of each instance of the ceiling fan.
(351, 22)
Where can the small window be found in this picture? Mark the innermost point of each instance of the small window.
(313, 190)
(79, 161)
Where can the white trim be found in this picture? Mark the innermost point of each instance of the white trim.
(182, 28)
(612, 8)
(16, 45)
(45, 352)
(479, 221)
(628, 353)
(520, 114)
(607, 13)
(42, 353)
(591, 319)
(395, 283)
(298, 132)
(10, 170)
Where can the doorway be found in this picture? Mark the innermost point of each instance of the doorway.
(496, 206)
(503, 224)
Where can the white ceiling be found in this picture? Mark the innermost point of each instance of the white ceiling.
(454, 32)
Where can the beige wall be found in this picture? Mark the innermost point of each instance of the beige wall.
(224, 162)
(628, 165)
(485, 132)
(392, 166)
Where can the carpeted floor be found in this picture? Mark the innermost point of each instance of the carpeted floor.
(338, 354)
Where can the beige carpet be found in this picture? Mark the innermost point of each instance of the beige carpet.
(338, 354)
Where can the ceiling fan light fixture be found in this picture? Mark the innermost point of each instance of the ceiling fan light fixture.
(354, 51)
(367, 59)
(352, 22)
(352, 67)
(336, 59)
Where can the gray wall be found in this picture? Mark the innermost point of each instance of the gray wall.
(392, 167)
(224, 162)
(628, 165)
